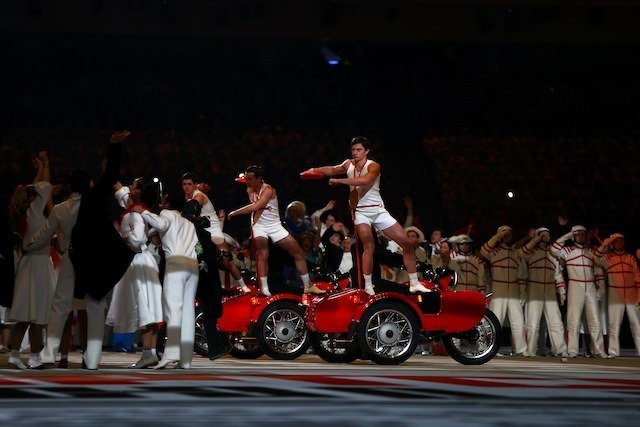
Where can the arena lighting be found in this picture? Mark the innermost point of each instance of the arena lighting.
(330, 56)
(510, 194)
(156, 180)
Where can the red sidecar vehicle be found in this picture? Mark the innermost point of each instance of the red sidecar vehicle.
(387, 327)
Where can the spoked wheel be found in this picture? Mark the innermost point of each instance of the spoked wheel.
(388, 333)
(477, 346)
(200, 346)
(282, 332)
(200, 340)
(322, 345)
(244, 350)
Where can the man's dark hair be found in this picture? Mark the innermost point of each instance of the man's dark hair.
(361, 140)
(79, 181)
(190, 175)
(325, 215)
(255, 169)
(175, 201)
(149, 195)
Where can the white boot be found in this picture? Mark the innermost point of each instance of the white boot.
(418, 287)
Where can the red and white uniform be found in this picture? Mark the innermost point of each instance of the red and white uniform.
(472, 272)
(623, 295)
(544, 278)
(580, 262)
(507, 284)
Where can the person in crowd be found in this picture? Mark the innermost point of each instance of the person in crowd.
(623, 291)
(363, 178)
(191, 191)
(137, 298)
(325, 217)
(265, 225)
(471, 269)
(508, 285)
(61, 222)
(209, 293)
(34, 279)
(99, 267)
(584, 289)
(180, 284)
(544, 280)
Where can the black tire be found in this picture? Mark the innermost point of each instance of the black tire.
(282, 332)
(388, 333)
(200, 340)
(244, 350)
(320, 345)
(477, 346)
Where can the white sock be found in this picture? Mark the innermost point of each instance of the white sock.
(413, 279)
(263, 282)
(367, 280)
(305, 280)
(240, 282)
(153, 353)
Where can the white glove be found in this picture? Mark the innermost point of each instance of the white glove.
(563, 299)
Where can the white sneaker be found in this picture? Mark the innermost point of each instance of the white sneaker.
(369, 290)
(418, 287)
(265, 290)
(145, 362)
(15, 361)
(245, 289)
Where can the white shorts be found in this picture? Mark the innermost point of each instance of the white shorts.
(378, 217)
(275, 232)
(216, 233)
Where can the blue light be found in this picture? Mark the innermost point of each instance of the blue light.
(333, 62)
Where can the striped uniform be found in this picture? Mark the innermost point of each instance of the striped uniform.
(472, 272)
(544, 279)
(581, 268)
(623, 295)
(506, 282)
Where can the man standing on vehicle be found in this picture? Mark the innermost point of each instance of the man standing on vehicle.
(363, 178)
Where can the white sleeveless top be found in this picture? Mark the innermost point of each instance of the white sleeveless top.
(270, 214)
(209, 211)
(370, 198)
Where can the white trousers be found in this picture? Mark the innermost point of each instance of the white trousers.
(542, 299)
(61, 306)
(621, 300)
(506, 301)
(96, 314)
(583, 297)
(179, 294)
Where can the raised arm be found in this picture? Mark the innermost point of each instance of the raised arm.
(340, 169)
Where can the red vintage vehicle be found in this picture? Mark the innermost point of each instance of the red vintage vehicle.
(387, 327)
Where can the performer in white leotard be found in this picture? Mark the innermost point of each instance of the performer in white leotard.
(265, 224)
(363, 176)
(189, 186)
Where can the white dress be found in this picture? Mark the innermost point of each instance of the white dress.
(137, 297)
(35, 280)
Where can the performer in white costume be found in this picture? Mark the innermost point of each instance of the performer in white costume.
(363, 178)
(623, 291)
(137, 298)
(265, 224)
(179, 241)
(189, 186)
(471, 269)
(35, 279)
(580, 263)
(507, 285)
(544, 279)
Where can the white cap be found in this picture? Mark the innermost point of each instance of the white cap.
(577, 228)
(504, 228)
(542, 230)
(617, 236)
